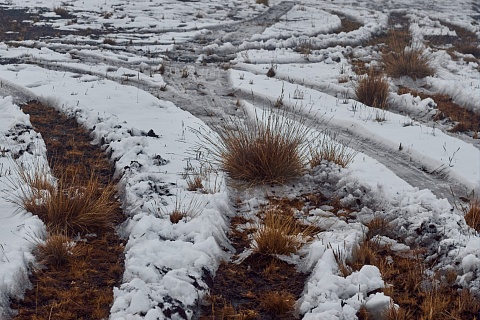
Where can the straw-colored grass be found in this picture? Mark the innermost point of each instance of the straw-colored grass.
(280, 233)
(403, 58)
(55, 251)
(330, 149)
(268, 149)
(278, 303)
(69, 204)
(472, 215)
(373, 90)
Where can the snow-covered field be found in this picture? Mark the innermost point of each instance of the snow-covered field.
(115, 88)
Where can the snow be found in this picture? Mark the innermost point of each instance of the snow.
(113, 90)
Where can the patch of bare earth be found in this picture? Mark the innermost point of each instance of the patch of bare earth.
(262, 286)
(73, 281)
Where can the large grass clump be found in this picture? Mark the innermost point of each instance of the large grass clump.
(373, 90)
(70, 204)
(403, 58)
(270, 148)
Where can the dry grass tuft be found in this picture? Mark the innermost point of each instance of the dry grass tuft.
(264, 2)
(280, 233)
(278, 303)
(378, 226)
(268, 149)
(405, 59)
(68, 204)
(373, 90)
(55, 251)
(365, 253)
(185, 210)
(330, 149)
(194, 183)
(472, 216)
(271, 72)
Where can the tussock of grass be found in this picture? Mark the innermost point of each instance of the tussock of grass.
(373, 90)
(68, 204)
(472, 216)
(280, 233)
(405, 59)
(269, 149)
(278, 303)
(330, 149)
(409, 62)
(55, 251)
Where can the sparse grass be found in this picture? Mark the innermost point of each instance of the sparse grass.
(55, 251)
(278, 303)
(373, 90)
(405, 59)
(194, 183)
(330, 149)
(472, 215)
(69, 204)
(280, 233)
(268, 149)
(184, 210)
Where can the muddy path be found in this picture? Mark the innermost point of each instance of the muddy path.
(65, 286)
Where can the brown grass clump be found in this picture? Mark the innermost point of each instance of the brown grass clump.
(55, 251)
(278, 303)
(404, 59)
(268, 149)
(472, 216)
(264, 2)
(69, 204)
(280, 233)
(195, 183)
(373, 90)
(271, 72)
(330, 149)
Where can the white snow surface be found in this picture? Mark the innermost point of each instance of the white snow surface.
(167, 266)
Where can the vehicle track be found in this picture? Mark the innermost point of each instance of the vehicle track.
(207, 94)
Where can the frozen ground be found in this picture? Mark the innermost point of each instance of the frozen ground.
(116, 88)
